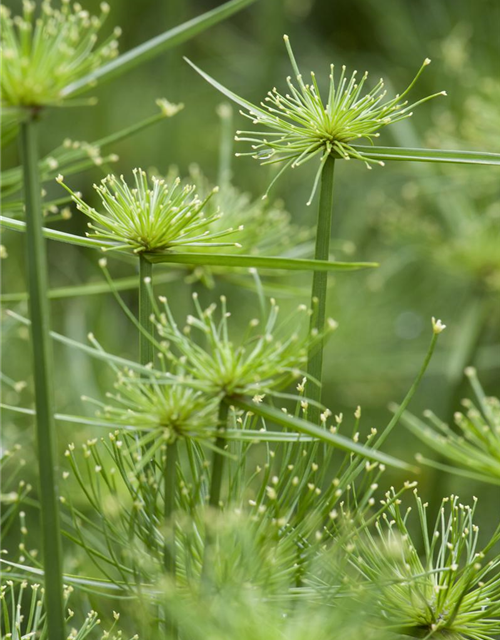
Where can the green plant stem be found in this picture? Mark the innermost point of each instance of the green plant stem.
(169, 552)
(169, 477)
(225, 145)
(146, 353)
(42, 361)
(216, 481)
(320, 284)
(218, 459)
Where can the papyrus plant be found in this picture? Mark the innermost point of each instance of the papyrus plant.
(452, 590)
(45, 60)
(277, 482)
(304, 123)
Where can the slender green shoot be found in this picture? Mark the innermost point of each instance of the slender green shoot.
(146, 354)
(218, 458)
(320, 284)
(43, 376)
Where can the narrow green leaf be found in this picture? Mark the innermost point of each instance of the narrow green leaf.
(206, 259)
(227, 92)
(156, 46)
(81, 420)
(429, 155)
(241, 435)
(68, 578)
(248, 435)
(302, 426)
(91, 288)
(52, 234)
(258, 262)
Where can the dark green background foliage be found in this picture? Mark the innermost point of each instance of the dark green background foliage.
(430, 227)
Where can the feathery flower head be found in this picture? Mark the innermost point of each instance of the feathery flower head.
(42, 55)
(268, 357)
(150, 218)
(301, 124)
(175, 409)
(451, 592)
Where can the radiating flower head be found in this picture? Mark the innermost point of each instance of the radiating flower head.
(268, 357)
(299, 125)
(175, 409)
(145, 218)
(450, 592)
(42, 55)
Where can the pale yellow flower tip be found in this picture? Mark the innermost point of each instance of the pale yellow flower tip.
(437, 326)
(169, 109)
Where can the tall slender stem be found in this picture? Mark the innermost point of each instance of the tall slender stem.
(226, 145)
(218, 459)
(169, 478)
(43, 376)
(216, 482)
(146, 353)
(320, 283)
(169, 552)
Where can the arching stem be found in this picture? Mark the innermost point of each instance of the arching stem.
(43, 376)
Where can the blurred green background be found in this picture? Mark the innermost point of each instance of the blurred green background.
(435, 230)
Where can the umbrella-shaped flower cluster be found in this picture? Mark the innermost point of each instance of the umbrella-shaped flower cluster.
(149, 218)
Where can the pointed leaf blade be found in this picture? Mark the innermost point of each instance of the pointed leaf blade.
(402, 154)
(156, 46)
(257, 262)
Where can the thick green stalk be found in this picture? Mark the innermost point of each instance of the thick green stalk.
(146, 354)
(320, 283)
(42, 362)
(218, 459)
